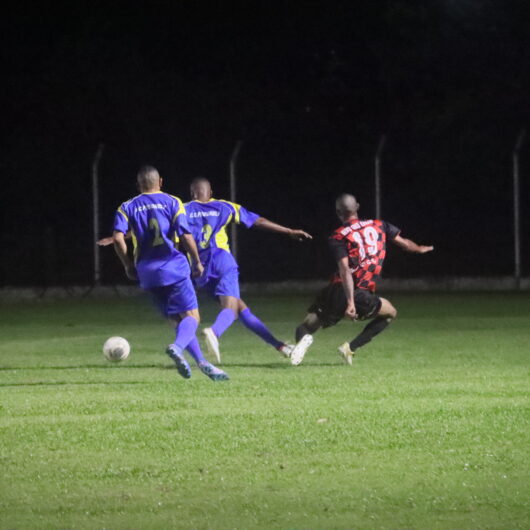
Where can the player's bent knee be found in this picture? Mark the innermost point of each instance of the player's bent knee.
(241, 306)
(194, 313)
(230, 302)
(387, 310)
(391, 314)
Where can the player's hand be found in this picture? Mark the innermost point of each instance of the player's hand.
(106, 241)
(130, 271)
(351, 312)
(299, 235)
(198, 270)
(425, 248)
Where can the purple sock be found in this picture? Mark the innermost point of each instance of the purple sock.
(195, 351)
(253, 323)
(223, 321)
(185, 332)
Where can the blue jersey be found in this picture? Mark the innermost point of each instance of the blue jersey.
(208, 222)
(156, 220)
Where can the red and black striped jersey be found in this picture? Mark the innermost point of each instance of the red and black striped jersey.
(364, 243)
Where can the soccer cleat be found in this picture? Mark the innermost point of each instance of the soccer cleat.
(214, 373)
(183, 367)
(286, 350)
(212, 343)
(297, 355)
(346, 353)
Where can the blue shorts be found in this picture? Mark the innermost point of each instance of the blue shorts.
(176, 298)
(225, 285)
(221, 277)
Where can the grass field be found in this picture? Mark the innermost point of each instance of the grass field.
(428, 429)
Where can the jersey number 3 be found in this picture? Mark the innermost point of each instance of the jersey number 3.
(206, 235)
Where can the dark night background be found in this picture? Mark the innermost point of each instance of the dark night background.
(309, 90)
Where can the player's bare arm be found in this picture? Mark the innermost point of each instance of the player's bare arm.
(409, 246)
(348, 286)
(191, 248)
(120, 246)
(297, 234)
(106, 241)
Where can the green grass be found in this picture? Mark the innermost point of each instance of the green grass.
(428, 429)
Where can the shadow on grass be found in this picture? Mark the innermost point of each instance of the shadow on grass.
(82, 366)
(119, 366)
(75, 383)
(272, 366)
(278, 366)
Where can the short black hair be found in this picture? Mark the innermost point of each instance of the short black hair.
(147, 176)
(198, 180)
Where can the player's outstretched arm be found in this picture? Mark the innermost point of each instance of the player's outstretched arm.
(297, 234)
(120, 246)
(106, 241)
(191, 248)
(409, 246)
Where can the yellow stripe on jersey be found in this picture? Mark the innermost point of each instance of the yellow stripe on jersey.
(221, 238)
(236, 207)
(181, 209)
(123, 213)
(135, 246)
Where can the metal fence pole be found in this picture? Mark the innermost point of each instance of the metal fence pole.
(378, 156)
(95, 213)
(516, 208)
(233, 193)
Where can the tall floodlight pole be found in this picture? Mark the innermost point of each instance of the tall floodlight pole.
(378, 157)
(95, 213)
(516, 209)
(233, 194)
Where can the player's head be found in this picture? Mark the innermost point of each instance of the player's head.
(148, 179)
(346, 206)
(200, 189)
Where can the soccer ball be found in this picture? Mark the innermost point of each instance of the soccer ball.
(116, 349)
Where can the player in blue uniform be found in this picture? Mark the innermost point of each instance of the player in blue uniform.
(157, 222)
(208, 220)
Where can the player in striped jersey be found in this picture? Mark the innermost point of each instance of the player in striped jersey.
(359, 249)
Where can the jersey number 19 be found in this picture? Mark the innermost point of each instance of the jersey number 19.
(367, 242)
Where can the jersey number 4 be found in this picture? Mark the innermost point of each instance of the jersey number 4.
(367, 242)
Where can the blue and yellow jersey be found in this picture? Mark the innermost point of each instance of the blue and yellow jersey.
(209, 220)
(156, 220)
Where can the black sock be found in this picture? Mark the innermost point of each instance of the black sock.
(301, 330)
(369, 332)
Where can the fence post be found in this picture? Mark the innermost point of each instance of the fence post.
(233, 193)
(378, 156)
(516, 208)
(95, 214)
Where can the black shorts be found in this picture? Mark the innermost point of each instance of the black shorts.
(330, 304)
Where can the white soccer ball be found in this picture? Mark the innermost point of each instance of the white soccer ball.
(116, 349)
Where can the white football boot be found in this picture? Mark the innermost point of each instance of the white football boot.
(212, 343)
(286, 350)
(346, 353)
(297, 355)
